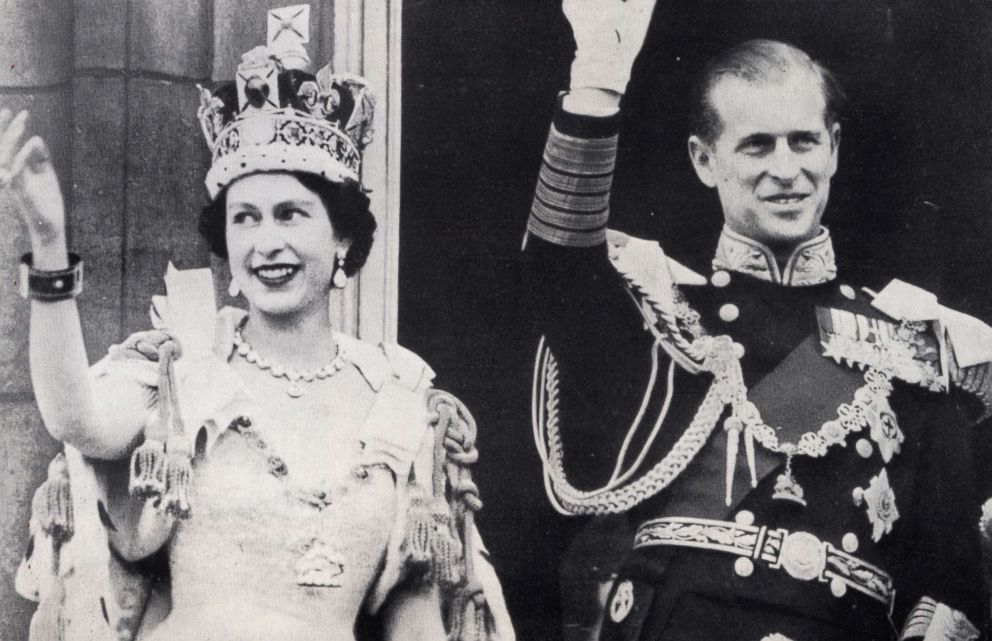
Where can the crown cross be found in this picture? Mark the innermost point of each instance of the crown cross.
(289, 25)
(256, 89)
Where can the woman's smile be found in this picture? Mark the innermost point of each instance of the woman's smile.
(275, 275)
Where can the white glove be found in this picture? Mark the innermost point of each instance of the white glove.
(608, 36)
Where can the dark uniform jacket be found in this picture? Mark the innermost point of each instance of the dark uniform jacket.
(884, 540)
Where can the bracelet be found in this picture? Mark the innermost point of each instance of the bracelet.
(54, 285)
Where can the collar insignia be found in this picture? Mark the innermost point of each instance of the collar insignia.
(811, 263)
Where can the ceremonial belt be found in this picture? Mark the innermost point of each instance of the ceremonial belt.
(801, 555)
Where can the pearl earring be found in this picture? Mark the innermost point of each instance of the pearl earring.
(340, 278)
(233, 290)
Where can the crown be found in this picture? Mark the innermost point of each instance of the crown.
(276, 116)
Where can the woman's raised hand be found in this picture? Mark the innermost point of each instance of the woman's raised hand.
(27, 173)
(608, 36)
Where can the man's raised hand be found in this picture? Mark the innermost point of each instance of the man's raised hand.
(608, 36)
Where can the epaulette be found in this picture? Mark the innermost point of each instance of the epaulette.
(967, 341)
(645, 267)
(652, 281)
(923, 341)
(970, 338)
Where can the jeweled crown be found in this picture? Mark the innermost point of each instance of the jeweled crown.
(277, 116)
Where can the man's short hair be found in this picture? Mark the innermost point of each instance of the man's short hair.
(756, 60)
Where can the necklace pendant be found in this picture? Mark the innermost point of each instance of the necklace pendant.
(787, 489)
(295, 390)
(786, 486)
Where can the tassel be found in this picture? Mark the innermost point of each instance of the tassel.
(179, 463)
(148, 462)
(179, 477)
(470, 616)
(446, 550)
(419, 526)
(148, 468)
(52, 503)
(475, 618)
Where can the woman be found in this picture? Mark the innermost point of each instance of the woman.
(297, 478)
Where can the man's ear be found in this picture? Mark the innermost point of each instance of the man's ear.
(834, 146)
(701, 156)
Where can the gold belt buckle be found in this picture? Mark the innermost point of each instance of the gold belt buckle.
(803, 556)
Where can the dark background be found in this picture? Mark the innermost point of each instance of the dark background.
(911, 200)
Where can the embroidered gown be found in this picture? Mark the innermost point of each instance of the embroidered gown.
(294, 534)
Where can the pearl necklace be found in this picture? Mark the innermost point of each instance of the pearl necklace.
(295, 378)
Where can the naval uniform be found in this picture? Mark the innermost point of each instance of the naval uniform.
(799, 462)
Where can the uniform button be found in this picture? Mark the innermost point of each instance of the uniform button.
(837, 587)
(744, 567)
(744, 517)
(847, 292)
(858, 495)
(720, 278)
(623, 602)
(864, 447)
(729, 313)
(850, 543)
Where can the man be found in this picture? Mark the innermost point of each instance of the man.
(798, 454)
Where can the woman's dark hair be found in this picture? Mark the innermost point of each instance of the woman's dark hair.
(347, 207)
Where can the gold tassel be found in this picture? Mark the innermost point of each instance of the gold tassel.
(446, 549)
(179, 477)
(52, 502)
(456, 617)
(469, 618)
(419, 526)
(475, 618)
(148, 468)
(179, 464)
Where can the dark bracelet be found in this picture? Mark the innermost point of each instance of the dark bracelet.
(58, 284)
